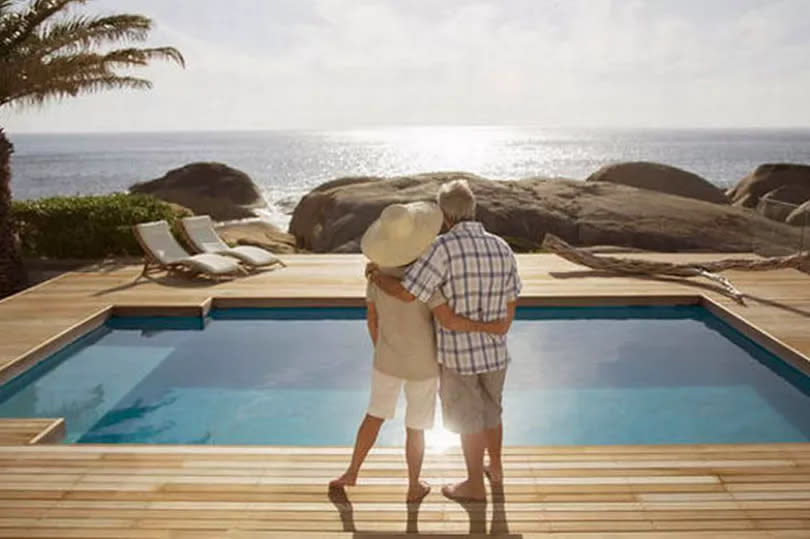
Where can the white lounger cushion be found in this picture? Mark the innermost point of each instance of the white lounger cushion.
(159, 241)
(200, 231)
(211, 263)
(255, 256)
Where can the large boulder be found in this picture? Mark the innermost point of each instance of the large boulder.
(661, 178)
(258, 233)
(332, 217)
(212, 189)
(767, 178)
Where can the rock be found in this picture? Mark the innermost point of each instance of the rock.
(779, 203)
(339, 211)
(335, 215)
(259, 234)
(348, 247)
(207, 189)
(801, 217)
(661, 178)
(767, 178)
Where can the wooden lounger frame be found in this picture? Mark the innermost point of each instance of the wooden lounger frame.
(151, 263)
(252, 267)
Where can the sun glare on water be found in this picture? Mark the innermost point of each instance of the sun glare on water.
(434, 148)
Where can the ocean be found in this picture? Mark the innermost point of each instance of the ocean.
(286, 164)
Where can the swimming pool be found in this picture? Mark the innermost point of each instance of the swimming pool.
(300, 376)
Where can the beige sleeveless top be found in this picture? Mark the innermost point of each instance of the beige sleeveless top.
(406, 339)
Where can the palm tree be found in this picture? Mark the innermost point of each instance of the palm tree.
(48, 51)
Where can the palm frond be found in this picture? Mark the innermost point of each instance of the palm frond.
(87, 85)
(5, 6)
(81, 32)
(9, 24)
(142, 57)
(21, 25)
(67, 57)
(69, 78)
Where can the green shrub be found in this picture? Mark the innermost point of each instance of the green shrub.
(86, 226)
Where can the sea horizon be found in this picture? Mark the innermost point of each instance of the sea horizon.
(14, 133)
(286, 164)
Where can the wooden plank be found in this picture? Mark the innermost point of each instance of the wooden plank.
(31, 431)
(52, 434)
(115, 489)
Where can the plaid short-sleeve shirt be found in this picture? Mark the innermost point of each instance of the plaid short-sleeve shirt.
(477, 273)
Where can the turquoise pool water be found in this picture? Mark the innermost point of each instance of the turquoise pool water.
(294, 376)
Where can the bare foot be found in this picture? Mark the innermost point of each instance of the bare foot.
(417, 492)
(494, 473)
(348, 479)
(465, 492)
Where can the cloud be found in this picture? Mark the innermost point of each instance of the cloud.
(340, 63)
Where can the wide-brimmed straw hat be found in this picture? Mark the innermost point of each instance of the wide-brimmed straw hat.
(402, 233)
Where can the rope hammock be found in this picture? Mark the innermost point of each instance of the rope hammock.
(708, 270)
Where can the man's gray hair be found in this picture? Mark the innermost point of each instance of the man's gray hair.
(457, 201)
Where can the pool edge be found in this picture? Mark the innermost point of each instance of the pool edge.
(781, 350)
(29, 359)
(25, 361)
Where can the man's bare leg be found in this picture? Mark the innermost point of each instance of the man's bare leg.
(494, 447)
(366, 436)
(415, 454)
(472, 489)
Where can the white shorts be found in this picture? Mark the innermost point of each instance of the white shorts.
(420, 399)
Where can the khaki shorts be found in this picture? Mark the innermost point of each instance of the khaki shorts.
(471, 402)
(420, 399)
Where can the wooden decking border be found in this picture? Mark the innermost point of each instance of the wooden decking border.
(716, 490)
(50, 346)
(29, 431)
(763, 338)
(750, 490)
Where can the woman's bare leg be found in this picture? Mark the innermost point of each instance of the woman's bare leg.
(414, 455)
(366, 436)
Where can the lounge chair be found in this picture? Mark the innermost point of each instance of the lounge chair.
(201, 235)
(161, 251)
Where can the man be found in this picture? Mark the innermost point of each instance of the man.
(477, 273)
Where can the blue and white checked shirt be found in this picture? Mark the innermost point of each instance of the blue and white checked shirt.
(477, 273)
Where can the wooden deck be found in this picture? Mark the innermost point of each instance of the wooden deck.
(716, 491)
(31, 431)
(673, 491)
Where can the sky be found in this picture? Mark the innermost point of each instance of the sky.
(340, 64)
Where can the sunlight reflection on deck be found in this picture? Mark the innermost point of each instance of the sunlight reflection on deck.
(439, 440)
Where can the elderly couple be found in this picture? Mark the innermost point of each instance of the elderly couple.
(467, 280)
